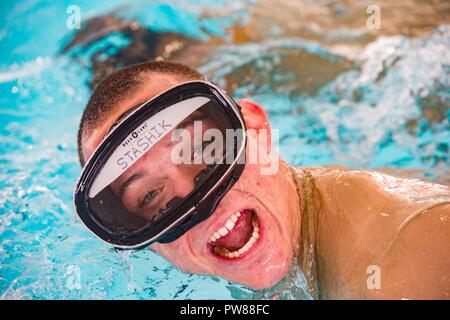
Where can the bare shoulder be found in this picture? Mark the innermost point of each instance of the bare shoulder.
(417, 265)
(402, 188)
(440, 176)
(401, 225)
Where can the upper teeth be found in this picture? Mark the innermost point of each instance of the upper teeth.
(229, 226)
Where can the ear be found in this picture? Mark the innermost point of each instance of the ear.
(256, 121)
(254, 115)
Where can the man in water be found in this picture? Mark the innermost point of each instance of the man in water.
(356, 234)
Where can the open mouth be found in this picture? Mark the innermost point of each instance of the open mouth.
(237, 236)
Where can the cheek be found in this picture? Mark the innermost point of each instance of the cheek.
(261, 186)
(272, 191)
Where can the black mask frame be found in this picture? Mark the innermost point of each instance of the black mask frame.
(190, 211)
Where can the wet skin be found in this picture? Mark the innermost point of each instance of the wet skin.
(351, 233)
(271, 257)
(364, 220)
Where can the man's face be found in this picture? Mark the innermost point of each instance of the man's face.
(156, 178)
(269, 202)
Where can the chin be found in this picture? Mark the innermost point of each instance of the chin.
(269, 279)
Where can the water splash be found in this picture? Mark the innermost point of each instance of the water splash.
(41, 239)
(387, 105)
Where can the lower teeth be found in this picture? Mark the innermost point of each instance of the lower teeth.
(224, 252)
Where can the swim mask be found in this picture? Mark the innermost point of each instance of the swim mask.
(163, 167)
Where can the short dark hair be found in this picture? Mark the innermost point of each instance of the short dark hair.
(121, 85)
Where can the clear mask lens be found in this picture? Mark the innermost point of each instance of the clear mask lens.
(159, 164)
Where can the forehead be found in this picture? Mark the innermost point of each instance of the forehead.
(152, 86)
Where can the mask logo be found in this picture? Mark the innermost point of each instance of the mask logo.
(140, 143)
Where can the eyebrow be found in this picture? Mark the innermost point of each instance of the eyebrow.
(130, 180)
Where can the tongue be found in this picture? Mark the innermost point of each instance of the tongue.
(241, 233)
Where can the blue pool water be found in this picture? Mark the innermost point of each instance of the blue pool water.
(385, 103)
